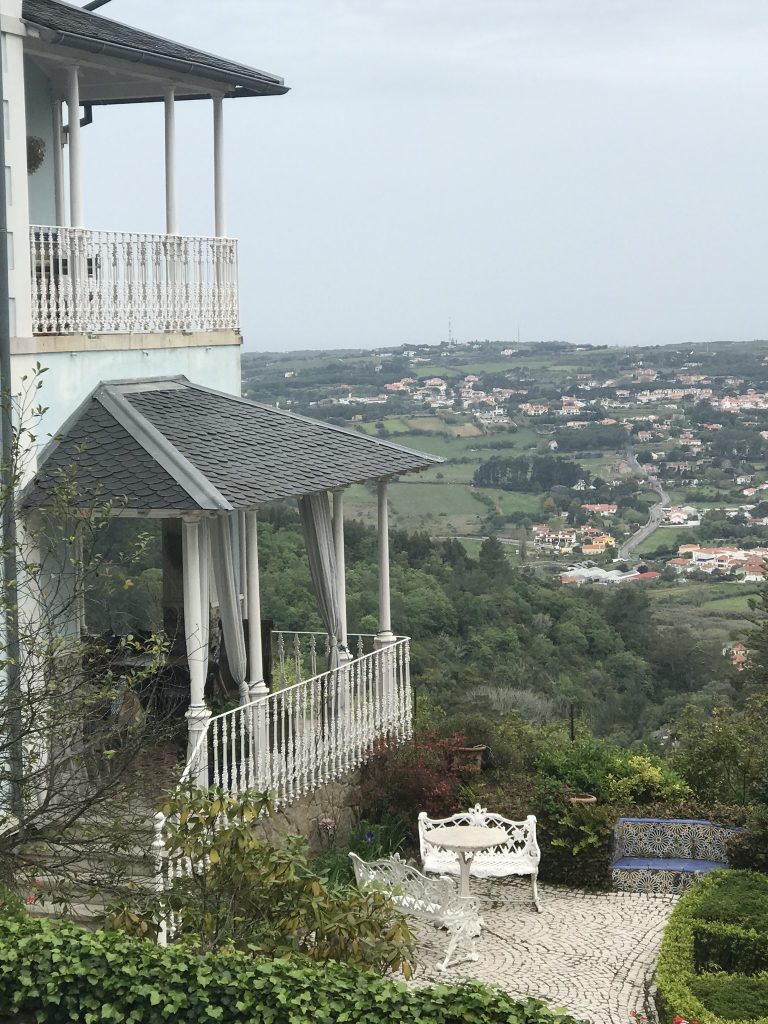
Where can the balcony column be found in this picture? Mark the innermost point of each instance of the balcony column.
(58, 160)
(198, 714)
(256, 685)
(218, 166)
(338, 546)
(385, 635)
(75, 181)
(171, 224)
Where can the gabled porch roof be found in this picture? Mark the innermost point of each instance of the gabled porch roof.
(168, 445)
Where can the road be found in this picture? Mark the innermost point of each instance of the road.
(655, 514)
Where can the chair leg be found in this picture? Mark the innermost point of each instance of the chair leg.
(464, 934)
(534, 891)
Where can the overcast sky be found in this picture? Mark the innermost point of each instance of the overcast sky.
(587, 170)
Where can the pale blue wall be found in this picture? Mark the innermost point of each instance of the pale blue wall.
(42, 189)
(70, 376)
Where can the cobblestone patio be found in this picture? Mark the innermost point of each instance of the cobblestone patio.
(592, 954)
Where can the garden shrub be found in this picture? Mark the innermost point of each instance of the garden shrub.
(729, 948)
(55, 972)
(750, 849)
(611, 773)
(704, 997)
(423, 775)
(257, 894)
(740, 897)
(735, 998)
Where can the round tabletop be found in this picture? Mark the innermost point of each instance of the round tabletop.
(466, 837)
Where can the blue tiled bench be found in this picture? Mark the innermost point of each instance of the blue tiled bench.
(666, 855)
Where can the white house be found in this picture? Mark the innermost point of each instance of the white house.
(140, 332)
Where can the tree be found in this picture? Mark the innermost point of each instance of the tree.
(80, 717)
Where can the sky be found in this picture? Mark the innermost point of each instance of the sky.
(583, 170)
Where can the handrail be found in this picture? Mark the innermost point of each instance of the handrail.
(296, 738)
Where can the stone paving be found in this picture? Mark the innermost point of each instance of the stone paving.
(591, 953)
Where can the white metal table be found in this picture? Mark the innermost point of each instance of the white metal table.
(465, 841)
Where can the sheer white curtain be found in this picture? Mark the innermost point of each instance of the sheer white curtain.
(316, 520)
(225, 560)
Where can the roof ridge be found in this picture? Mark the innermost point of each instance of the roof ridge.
(437, 459)
(159, 447)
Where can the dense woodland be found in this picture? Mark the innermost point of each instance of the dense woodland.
(493, 638)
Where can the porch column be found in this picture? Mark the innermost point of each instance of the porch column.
(75, 182)
(338, 545)
(198, 714)
(58, 160)
(385, 635)
(171, 225)
(256, 685)
(218, 165)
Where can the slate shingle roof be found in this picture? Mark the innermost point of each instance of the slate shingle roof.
(167, 444)
(75, 25)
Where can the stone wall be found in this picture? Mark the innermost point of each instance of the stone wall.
(337, 801)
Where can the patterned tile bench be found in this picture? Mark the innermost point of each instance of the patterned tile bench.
(666, 855)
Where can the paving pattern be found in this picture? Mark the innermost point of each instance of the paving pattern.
(592, 954)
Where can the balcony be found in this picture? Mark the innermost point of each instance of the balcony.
(117, 282)
(314, 730)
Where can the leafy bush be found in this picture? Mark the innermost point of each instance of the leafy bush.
(740, 897)
(750, 849)
(733, 998)
(256, 894)
(645, 780)
(423, 775)
(709, 998)
(575, 841)
(44, 966)
(611, 773)
(729, 948)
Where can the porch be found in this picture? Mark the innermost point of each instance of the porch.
(310, 706)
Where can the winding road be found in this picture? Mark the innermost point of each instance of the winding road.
(655, 514)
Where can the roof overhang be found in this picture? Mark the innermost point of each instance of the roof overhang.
(120, 64)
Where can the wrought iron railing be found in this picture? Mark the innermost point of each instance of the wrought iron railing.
(293, 740)
(107, 282)
(297, 655)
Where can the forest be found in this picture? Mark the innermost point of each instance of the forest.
(493, 638)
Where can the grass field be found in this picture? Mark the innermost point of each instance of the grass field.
(669, 537)
(719, 611)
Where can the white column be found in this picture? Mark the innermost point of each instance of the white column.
(256, 685)
(75, 183)
(338, 545)
(171, 224)
(198, 714)
(385, 634)
(218, 165)
(58, 160)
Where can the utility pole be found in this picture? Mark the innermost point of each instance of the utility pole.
(7, 495)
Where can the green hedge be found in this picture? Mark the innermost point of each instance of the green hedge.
(704, 997)
(56, 972)
(728, 947)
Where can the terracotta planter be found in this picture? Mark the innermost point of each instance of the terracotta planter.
(583, 798)
(471, 755)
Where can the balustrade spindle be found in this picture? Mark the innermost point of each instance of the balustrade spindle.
(102, 282)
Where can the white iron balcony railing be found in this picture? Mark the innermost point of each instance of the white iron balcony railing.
(115, 282)
(297, 655)
(296, 739)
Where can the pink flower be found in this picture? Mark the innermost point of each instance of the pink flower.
(31, 898)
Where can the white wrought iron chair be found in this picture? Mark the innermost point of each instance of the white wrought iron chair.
(432, 899)
(520, 855)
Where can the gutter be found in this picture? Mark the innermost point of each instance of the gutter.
(246, 84)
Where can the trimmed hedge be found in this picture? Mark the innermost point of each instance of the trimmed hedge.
(727, 947)
(55, 972)
(691, 945)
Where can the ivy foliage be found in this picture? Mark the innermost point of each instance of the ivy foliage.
(55, 972)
